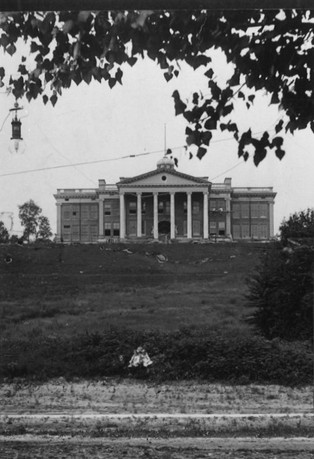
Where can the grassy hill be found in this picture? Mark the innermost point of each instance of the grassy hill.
(142, 286)
(72, 310)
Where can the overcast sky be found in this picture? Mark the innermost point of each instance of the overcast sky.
(96, 123)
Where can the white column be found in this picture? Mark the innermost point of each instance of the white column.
(139, 214)
(271, 219)
(189, 212)
(228, 216)
(122, 216)
(101, 219)
(172, 217)
(205, 215)
(59, 222)
(155, 215)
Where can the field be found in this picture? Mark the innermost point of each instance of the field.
(80, 311)
(65, 289)
(71, 317)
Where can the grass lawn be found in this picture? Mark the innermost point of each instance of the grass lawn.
(68, 289)
(81, 310)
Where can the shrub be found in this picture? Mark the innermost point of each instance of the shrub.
(187, 354)
(300, 225)
(281, 293)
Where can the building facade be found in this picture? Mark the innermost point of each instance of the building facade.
(164, 204)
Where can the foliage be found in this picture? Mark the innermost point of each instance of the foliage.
(281, 292)
(34, 223)
(44, 229)
(268, 50)
(300, 225)
(4, 234)
(191, 353)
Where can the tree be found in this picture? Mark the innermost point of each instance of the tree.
(34, 223)
(44, 229)
(300, 225)
(4, 234)
(269, 50)
(281, 288)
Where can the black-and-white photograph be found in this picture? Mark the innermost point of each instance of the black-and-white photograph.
(156, 230)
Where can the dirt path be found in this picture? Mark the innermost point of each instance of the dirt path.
(128, 396)
(30, 447)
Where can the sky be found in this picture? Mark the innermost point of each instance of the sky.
(96, 123)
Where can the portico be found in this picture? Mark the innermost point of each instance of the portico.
(166, 193)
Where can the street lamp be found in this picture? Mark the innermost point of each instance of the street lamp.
(17, 144)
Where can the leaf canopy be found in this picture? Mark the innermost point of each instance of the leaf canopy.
(268, 49)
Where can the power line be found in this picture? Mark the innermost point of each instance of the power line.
(85, 163)
(4, 121)
(228, 170)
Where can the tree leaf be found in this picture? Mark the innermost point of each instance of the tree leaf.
(168, 76)
(53, 99)
(10, 49)
(45, 99)
(118, 75)
(201, 152)
(274, 98)
(210, 124)
(195, 98)
(209, 73)
(279, 126)
(112, 82)
(2, 72)
(280, 153)
(206, 137)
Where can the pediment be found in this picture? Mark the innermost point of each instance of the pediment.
(163, 177)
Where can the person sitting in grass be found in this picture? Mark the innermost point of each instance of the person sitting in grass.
(140, 362)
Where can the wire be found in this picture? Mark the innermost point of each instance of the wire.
(85, 163)
(57, 151)
(230, 169)
(119, 158)
(4, 121)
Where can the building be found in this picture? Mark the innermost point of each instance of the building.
(163, 204)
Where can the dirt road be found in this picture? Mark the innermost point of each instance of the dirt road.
(150, 448)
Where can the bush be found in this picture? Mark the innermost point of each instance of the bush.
(300, 225)
(281, 293)
(187, 354)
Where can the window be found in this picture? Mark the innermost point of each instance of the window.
(212, 227)
(107, 208)
(116, 229)
(236, 210)
(263, 210)
(245, 210)
(107, 229)
(212, 204)
(132, 208)
(221, 205)
(185, 206)
(260, 231)
(144, 207)
(245, 231)
(196, 207)
(221, 228)
(236, 231)
(167, 207)
(160, 207)
(144, 227)
(196, 228)
(66, 226)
